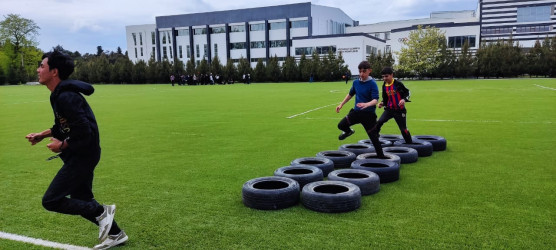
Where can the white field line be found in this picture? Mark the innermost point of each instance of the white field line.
(289, 117)
(544, 87)
(438, 120)
(39, 242)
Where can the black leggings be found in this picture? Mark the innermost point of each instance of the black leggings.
(368, 120)
(400, 118)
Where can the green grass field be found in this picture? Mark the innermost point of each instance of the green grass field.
(175, 158)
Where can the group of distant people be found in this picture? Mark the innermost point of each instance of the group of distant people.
(205, 79)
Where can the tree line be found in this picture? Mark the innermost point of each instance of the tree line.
(424, 55)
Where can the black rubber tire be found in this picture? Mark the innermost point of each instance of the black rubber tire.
(388, 171)
(325, 164)
(341, 159)
(367, 181)
(383, 142)
(424, 148)
(390, 157)
(391, 138)
(438, 142)
(407, 155)
(358, 148)
(303, 174)
(331, 196)
(270, 193)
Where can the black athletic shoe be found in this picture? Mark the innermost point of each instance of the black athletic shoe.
(345, 135)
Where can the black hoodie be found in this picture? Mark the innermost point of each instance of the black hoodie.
(74, 120)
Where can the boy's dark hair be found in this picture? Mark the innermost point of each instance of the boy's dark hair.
(60, 61)
(387, 71)
(364, 65)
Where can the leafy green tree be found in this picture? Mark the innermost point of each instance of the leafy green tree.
(243, 67)
(230, 72)
(20, 34)
(290, 71)
(216, 66)
(203, 67)
(273, 73)
(139, 73)
(259, 73)
(447, 62)
(421, 52)
(305, 68)
(178, 68)
(465, 62)
(190, 66)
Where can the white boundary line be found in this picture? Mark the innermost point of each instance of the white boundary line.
(437, 120)
(39, 242)
(289, 117)
(544, 87)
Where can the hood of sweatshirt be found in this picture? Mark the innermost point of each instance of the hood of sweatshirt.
(75, 86)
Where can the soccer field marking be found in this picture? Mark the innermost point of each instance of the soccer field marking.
(544, 87)
(308, 111)
(438, 120)
(39, 242)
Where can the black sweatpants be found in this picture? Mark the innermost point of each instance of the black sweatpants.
(71, 190)
(400, 118)
(368, 120)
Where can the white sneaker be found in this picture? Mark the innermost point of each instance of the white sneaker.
(112, 241)
(105, 221)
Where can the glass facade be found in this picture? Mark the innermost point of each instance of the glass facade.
(534, 13)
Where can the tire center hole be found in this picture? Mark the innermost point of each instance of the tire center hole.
(331, 189)
(398, 151)
(335, 155)
(374, 165)
(311, 162)
(270, 185)
(298, 171)
(353, 175)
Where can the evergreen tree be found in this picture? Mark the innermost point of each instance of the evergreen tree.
(465, 62)
(216, 66)
(243, 68)
(290, 71)
(230, 72)
(139, 72)
(190, 67)
(304, 68)
(273, 73)
(447, 62)
(316, 67)
(259, 74)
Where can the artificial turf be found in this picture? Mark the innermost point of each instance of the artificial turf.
(174, 160)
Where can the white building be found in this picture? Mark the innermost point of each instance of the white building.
(294, 29)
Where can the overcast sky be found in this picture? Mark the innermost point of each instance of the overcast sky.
(82, 25)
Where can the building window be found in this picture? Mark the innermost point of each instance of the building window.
(197, 52)
(256, 27)
(278, 43)
(141, 51)
(215, 49)
(153, 52)
(304, 51)
(370, 50)
(257, 44)
(135, 52)
(387, 36)
(277, 26)
(299, 24)
(153, 38)
(459, 41)
(183, 32)
(180, 51)
(164, 52)
(171, 54)
(205, 49)
(326, 49)
(388, 49)
(163, 37)
(533, 28)
(497, 30)
(140, 38)
(199, 31)
(188, 51)
(134, 38)
(534, 13)
(216, 30)
(240, 45)
(237, 28)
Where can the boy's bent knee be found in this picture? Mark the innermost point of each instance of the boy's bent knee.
(50, 204)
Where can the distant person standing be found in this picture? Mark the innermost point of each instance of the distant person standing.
(348, 76)
(366, 95)
(172, 79)
(311, 78)
(394, 97)
(75, 136)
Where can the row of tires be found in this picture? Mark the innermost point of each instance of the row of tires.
(358, 172)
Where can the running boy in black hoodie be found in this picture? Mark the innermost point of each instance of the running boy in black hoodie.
(75, 137)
